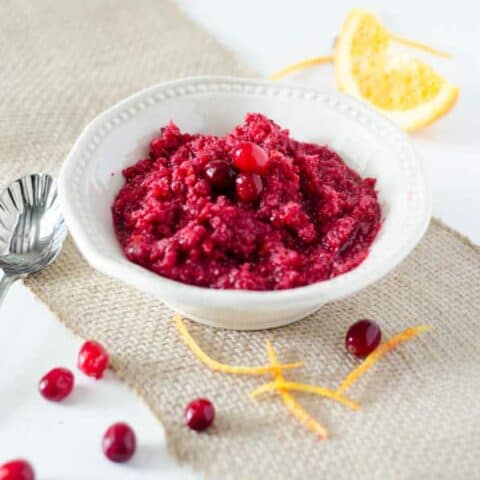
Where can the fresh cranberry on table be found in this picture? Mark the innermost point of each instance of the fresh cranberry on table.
(362, 338)
(16, 470)
(56, 384)
(220, 174)
(249, 187)
(199, 414)
(249, 157)
(92, 359)
(119, 443)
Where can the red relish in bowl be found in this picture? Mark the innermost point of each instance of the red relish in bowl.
(253, 210)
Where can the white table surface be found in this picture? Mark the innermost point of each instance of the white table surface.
(63, 441)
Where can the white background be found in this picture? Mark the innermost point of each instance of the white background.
(63, 441)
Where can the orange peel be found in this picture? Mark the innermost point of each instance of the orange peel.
(292, 405)
(419, 46)
(309, 62)
(314, 61)
(375, 356)
(222, 367)
(303, 387)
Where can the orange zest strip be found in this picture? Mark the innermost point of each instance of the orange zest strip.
(419, 46)
(222, 367)
(292, 405)
(384, 348)
(309, 62)
(302, 387)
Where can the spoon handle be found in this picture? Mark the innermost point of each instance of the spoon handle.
(5, 283)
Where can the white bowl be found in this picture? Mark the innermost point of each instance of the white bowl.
(369, 143)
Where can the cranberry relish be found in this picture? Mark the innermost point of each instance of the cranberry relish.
(218, 212)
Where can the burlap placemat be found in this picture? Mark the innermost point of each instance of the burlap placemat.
(61, 64)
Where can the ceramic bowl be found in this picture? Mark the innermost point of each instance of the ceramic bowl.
(372, 145)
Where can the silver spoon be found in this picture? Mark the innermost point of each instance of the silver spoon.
(32, 229)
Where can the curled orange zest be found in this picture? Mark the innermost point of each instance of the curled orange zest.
(384, 348)
(302, 387)
(222, 367)
(310, 62)
(292, 405)
(419, 46)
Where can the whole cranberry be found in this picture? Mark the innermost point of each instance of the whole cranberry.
(119, 443)
(199, 414)
(250, 157)
(92, 359)
(220, 174)
(249, 186)
(16, 470)
(56, 384)
(363, 337)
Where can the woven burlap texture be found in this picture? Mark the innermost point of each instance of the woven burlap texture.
(64, 62)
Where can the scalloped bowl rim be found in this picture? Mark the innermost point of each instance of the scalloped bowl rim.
(130, 273)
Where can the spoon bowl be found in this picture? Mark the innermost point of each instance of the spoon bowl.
(32, 229)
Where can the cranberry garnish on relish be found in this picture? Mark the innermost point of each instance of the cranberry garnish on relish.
(16, 470)
(249, 186)
(363, 337)
(56, 384)
(249, 157)
(199, 414)
(92, 359)
(220, 174)
(119, 443)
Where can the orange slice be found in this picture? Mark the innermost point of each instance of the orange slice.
(405, 89)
